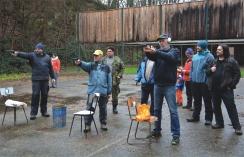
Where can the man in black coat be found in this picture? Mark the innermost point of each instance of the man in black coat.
(224, 76)
(41, 69)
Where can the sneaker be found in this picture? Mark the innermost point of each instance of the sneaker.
(238, 131)
(45, 115)
(87, 129)
(104, 127)
(175, 141)
(156, 134)
(217, 126)
(32, 117)
(207, 123)
(192, 120)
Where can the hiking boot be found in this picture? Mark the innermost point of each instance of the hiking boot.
(175, 141)
(217, 126)
(45, 115)
(104, 127)
(32, 117)
(87, 129)
(192, 120)
(238, 131)
(207, 123)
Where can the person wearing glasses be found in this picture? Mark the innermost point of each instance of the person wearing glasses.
(100, 81)
(166, 59)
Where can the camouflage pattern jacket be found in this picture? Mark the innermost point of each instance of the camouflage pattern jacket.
(117, 69)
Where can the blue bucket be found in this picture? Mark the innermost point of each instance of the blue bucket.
(59, 116)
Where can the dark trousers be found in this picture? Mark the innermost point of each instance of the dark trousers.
(102, 103)
(228, 98)
(115, 93)
(200, 90)
(189, 93)
(39, 88)
(146, 90)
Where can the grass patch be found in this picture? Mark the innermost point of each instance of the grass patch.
(242, 71)
(66, 71)
(131, 69)
(14, 76)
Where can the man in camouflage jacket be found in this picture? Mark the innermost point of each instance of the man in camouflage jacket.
(116, 65)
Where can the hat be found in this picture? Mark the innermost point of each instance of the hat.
(163, 36)
(98, 52)
(203, 44)
(189, 51)
(39, 46)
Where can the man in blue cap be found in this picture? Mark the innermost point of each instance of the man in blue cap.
(200, 63)
(41, 69)
(166, 59)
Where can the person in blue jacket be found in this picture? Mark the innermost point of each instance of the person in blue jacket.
(41, 69)
(200, 63)
(100, 81)
(145, 77)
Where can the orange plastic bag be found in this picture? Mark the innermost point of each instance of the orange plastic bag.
(143, 112)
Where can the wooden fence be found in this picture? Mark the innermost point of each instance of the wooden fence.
(185, 21)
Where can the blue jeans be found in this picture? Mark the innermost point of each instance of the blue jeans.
(169, 93)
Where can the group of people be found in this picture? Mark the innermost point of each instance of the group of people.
(203, 76)
(105, 74)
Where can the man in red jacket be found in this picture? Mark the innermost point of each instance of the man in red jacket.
(56, 69)
(186, 77)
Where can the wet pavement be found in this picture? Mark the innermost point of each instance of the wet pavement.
(40, 139)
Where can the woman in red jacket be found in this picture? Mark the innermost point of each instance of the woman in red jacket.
(186, 77)
(56, 68)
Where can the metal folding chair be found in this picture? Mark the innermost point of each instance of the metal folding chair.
(5, 93)
(138, 116)
(93, 99)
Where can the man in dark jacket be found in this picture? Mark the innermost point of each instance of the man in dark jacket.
(224, 76)
(41, 69)
(166, 59)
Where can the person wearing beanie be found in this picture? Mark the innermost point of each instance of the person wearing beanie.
(41, 70)
(100, 81)
(200, 63)
(166, 59)
(117, 67)
(186, 77)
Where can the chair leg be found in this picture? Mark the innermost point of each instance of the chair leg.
(25, 114)
(85, 131)
(129, 132)
(95, 124)
(71, 125)
(14, 115)
(81, 123)
(136, 129)
(4, 114)
(150, 133)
